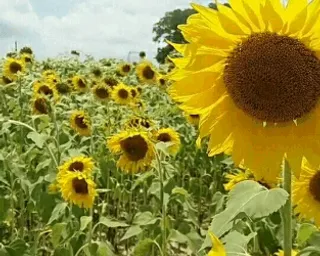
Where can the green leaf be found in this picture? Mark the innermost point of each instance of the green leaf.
(180, 191)
(144, 218)
(58, 231)
(58, 211)
(17, 247)
(143, 247)
(112, 224)
(84, 222)
(236, 243)
(132, 231)
(104, 249)
(248, 197)
(37, 138)
(62, 252)
(304, 233)
(3, 252)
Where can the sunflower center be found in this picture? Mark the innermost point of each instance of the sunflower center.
(148, 73)
(135, 147)
(164, 137)
(15, 67)
(162, 81)
(133, 93)
(102, 93)
(80, 186)
(273, 78)
(40, 106)
(45, 90)
(79, 120)
(123, 93)
(81, 84)
(126, 68)
(76, 166)
(314, 186)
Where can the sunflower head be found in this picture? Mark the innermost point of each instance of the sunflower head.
(140, 122)
(146, 72)
(26, 50)
(124, 69)
(254, 78)
(134, 93)
(162, 81)
(81, 164)
(40, 105)
(80, 122)
(96, 72)
(110, 81)
(12, 67)
(135, 149)
(46, 89)
(49, 72)
(101, 92)
(169, 135)
(121, 94)
(79, 83)
(78, 188)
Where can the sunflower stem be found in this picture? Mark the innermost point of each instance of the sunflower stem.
(56, 128)
(287, 211)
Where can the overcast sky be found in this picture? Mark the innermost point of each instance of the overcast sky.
(102, 28)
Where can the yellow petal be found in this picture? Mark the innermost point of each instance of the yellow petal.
(217, 246)
(271, 17)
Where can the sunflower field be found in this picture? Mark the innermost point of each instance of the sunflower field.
(216, 152)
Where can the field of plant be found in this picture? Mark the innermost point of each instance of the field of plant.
(214, 152)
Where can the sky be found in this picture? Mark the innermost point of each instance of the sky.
(101, 28)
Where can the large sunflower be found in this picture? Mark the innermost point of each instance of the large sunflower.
(121, 94)
(306, 193)
(101, 92)
(135, 148)
(79, 84)
(77, 188)
(253, 73)
(146, 72)
(80, 122)
(12, 67)
(169, 135)
(81, 164)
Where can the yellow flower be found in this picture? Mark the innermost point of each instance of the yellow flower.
(79, 84)
(162, 81)
(46, 89)
(134, 93)
(124, 69)
(101, 92)
(135, 148)
(80, 122)
(77, 164)
(281, 253)
(217, 246)
(168, 135)
(306, 193)
(110, 81)
(11, 68)
(139, 122)
(49, 72)
(26, 58)
(121, 94)
(40, 105)
(78, 188)
(252, 72)
(146, 72)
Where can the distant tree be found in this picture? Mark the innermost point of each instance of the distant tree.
(166, 29)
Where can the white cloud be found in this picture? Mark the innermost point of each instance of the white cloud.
(103, 28)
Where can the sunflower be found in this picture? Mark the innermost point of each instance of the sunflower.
(49, 72)
(101, 92)
(78, 188)
(168, 135)
(193, 118)
(134, 93)
(306, 193)
(217, 246)
(135, 148)
(110, 81)
(46, 89)
(80, 122)
(241, 175)
(12, 67)
(124, 69)
(162, 81)
(253, 73)
(26, 50)
(145, 72)
(79, 84)
(139, 122)
(81, 164)
(52, 79)
(121, 94)
(40, 105)
(26, 58)
(281, 253)
(139, 89)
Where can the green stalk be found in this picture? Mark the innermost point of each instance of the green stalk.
(287, 211)
(163, 211)
(56, 128)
